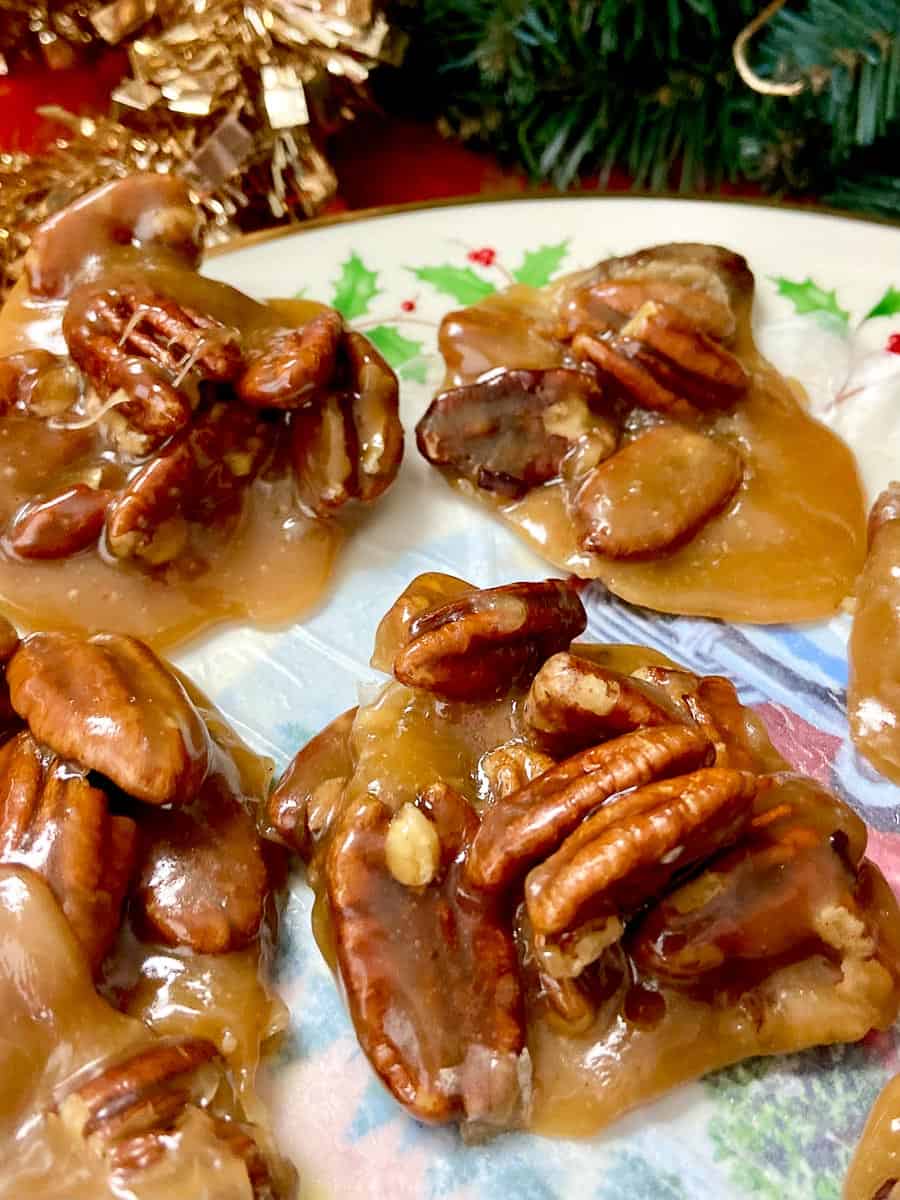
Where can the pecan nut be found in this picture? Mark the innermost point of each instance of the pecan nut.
(511, 766)
(200, 475)
(349, 446)
(628, 850)
(301, 808)
(479, 644)
(110, 705)
(426, 592)
(202, 879)
(131, 339)
(54, 822)
(655, 494)
(293, 366)
(510, 431)
(531, 823)
(62, 525)
(574, 703)
(684, 358)
(146, 1091)
(713, 270)
(619, 359)
(145, 211)
(430, 973)
(757, 902)
(607, 304)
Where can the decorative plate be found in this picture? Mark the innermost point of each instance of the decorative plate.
(828, 313)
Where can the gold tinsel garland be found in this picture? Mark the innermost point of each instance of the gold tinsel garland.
(229, 93)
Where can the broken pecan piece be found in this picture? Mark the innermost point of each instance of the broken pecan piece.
(349, 446)
(63, 524)
(144, 211)
(430, 973)
(202, 879)
(655, 493)
(511, 766)
(627, 850)
(293, 366)
(200, 475)
(510, 431)
(573, 703)
(619, 359)
(54, 822)
(531, 823)
(479, 644)
(110, 705)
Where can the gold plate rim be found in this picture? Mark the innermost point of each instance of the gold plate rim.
(246, 240)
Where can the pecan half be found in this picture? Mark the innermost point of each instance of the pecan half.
(605, 305)
(146, 211)
(301, 806)
(293, 366)
(63, 524)
(627, 850)
(202, 879)
(143, 343)
(430, 973)
(684, 358)
(478, 645)
(655, 493)
(201, 475)
(711, 702)
(573, 703)
(54, 822)
(756, 903)
(109, 704)
(147, 1091)
(714, 270)
(424, 593)
(349, 447)
(531, 823)
(619, 360)
(510, 431)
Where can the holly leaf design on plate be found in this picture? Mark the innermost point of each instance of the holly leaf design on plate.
(808, 297)
(539, 266)
(459, 282)
(393, 346)
(887, 306)
(355, 289)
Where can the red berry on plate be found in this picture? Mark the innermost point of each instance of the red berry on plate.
(893, 344)
(485, 256)
(408, 306)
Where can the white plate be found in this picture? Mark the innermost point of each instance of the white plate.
(775, 1129)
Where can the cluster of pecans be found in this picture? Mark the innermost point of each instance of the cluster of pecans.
(637, 826)
(116, 790)
(194, 408)
(628, 417)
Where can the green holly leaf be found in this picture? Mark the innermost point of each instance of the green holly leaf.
(397, 349)
(808, 297)
(539, 266)
(887, 306)
(355, 289)
(459, 282)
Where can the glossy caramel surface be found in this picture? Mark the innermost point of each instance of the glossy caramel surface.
(788, 546)
(646, 1036)
(874, 1172)
(268, 564)
(873, 697)
(63, 1026)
